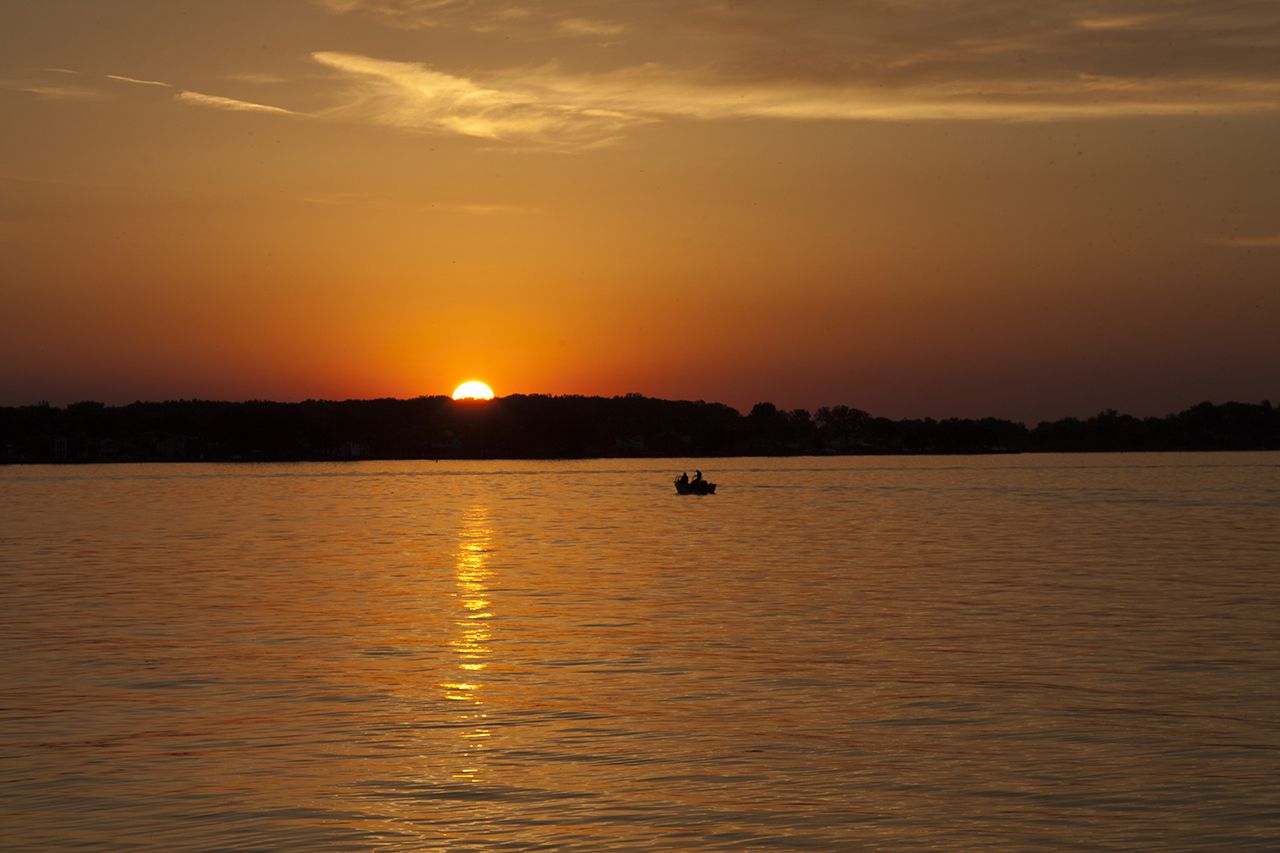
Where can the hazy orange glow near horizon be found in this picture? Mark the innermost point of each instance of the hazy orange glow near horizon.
(1024, 210)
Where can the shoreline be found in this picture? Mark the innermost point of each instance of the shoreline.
(906, 455)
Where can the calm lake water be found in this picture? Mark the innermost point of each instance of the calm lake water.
(897, 653)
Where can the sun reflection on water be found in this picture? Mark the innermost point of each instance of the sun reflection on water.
(470, 645)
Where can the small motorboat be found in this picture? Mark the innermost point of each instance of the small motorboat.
(694, 487)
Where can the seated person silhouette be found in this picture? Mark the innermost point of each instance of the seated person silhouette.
(697, 476)
(684, 478)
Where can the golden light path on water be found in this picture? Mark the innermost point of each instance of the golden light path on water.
(471, 572)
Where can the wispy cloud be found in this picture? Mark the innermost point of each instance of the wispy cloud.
(498, 19)
(569, 18)
(53, 92)
(124, 79)
(59, 91)
(405, 14)
(1119, 22)
(656, 90)
(589, 27)
(1265, 242)
(221, 103)
(414, 96)
(549, 106)
(482, 209)
(805, 60)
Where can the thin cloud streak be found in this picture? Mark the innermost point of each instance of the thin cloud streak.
(589, 27)
(221, 103)
(482, 209)
(53, 92)
(124, 79)
(1120, 22)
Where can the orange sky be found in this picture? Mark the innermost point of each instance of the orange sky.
(950, 208)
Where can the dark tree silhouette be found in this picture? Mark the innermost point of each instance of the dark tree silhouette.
(539, 426)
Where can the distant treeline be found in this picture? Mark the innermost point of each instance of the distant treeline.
(539, 426)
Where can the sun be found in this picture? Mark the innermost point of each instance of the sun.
(473, 390)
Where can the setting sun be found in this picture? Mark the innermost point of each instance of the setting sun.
(473, 390)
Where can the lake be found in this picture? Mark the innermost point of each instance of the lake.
(1006, 652)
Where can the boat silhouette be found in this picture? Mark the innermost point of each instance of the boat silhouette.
(694, 487)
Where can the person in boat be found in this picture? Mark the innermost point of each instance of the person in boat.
(684, 478)
(697, 477)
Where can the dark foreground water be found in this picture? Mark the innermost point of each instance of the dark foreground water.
(928, 653)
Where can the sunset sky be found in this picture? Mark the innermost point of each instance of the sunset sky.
(960, 207)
